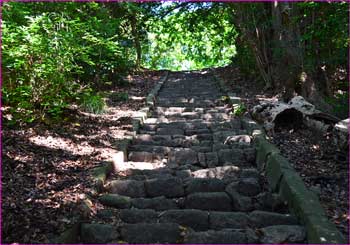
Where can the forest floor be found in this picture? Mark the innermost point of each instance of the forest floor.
(45, 170)
(312, 155)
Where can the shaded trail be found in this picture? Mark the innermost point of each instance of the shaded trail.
(193, 178)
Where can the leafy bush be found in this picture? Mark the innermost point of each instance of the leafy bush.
(239, 109)
(93, 103)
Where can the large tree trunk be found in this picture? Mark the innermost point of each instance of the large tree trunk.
(137, 43)
(287, 53)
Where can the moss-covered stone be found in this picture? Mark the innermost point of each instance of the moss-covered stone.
(115, 200)
(264, 149)
(275, 166)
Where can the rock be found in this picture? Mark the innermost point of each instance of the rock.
(157, 203)
(106, 214)
(183, 156)
(233, 220)
(216, 237)
(239, 202)
(151, 233)
(138, 216)
(98, 233)
(131, 188)
(341, 135)
(244, 140)
(115, 200)
(211, 159)
(205, 185)
(141, 156)
(250, 155)
(196, 219)
(283, 234)
(170, 131)
(229, 156)
(216, 201)
(169, 187)
(183, 174)
(249, 186)
(249, 173)
(220, 146)
(270, 201)
(225, 172)
(261, 219)
(201, 159)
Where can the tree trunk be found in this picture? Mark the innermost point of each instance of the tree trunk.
(137, 43)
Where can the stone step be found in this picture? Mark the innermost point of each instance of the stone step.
(171, 232)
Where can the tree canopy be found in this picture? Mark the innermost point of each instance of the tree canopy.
(62, 53)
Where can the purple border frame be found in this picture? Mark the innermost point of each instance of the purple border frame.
(144, 1)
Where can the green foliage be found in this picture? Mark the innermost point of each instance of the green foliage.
(340, 104)
(93, 103)
(239, 110)
(195, 36)
(51, 51)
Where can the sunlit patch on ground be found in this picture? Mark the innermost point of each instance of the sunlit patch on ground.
(46, 167)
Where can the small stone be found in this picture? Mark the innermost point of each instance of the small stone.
(157, 203)
(151, 233)
(98, 233)
(279, 234)
(196, 219)
(131, 188)
(216, 201)
(169, 187)
(261, 219)
(138, 216)
(232, 220)
(115, 200)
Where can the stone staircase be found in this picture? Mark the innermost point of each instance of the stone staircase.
(193, 178)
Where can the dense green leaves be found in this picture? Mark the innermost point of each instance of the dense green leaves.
(192, 36)
(58, 54)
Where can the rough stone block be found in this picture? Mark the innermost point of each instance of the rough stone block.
(205, 185)
(183, 156)
(115, 200)
(279, 234)
(216, 201)
(225, 220)
(98, 233)
(151, 233)
(261, 219)
(138, 216)
(169, 187)
(131, 188)
(156, 203)
(195, 219)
